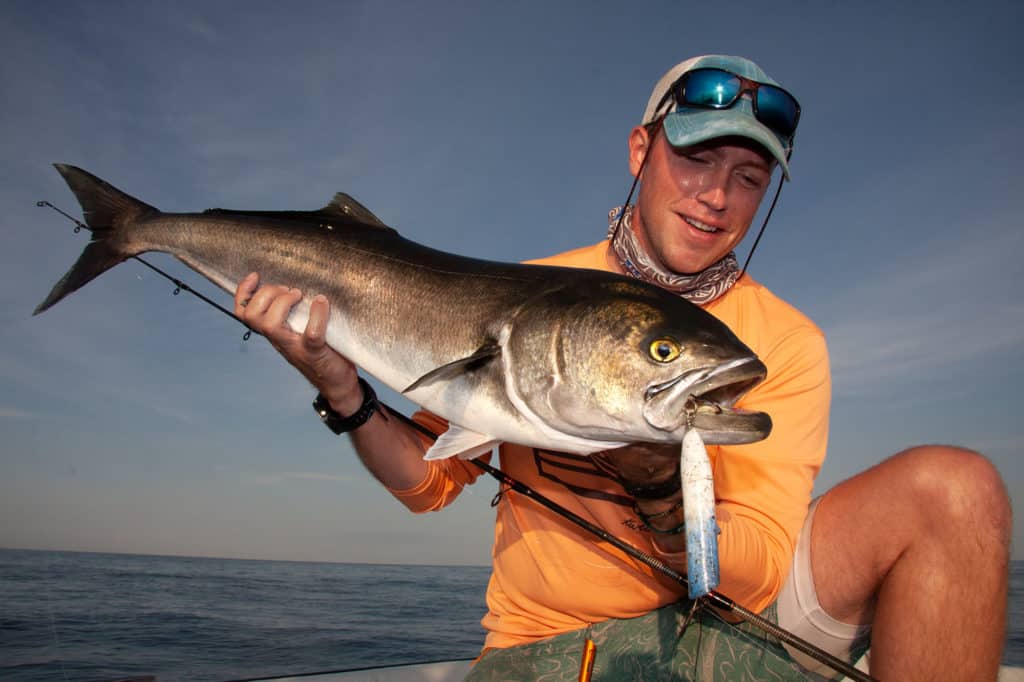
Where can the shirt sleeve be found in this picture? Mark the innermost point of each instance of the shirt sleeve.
(445, 478)
(764, 489)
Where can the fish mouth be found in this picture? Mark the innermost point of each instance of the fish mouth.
(704, 399)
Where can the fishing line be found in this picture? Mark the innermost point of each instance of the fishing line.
(652, 136)
(764, 224)
(712, 599)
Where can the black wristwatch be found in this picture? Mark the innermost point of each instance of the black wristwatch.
(335, 422)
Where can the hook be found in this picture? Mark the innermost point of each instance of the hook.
(696, 607)
(690, 408)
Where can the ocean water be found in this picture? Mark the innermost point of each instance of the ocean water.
(82, 617)
(100, 617)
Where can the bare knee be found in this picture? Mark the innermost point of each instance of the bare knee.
(931, 505)
(954, 487)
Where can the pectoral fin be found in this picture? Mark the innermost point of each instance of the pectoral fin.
(462, 442)
(449, 371)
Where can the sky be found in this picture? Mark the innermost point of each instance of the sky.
(133, 420)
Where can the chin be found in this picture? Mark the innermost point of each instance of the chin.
(684, 259)
(688, 266)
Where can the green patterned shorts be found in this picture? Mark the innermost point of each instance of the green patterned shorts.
(650, 648)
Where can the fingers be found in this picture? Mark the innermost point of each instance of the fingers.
(327, 366)
(259, 303)
(245, 290)
(279, 303)
(265, 309)
(316, 329)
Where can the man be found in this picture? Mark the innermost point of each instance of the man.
(914, 550)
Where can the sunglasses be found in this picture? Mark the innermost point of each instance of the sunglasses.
(710, 88)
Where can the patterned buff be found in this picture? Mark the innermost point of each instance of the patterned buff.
(701, 288)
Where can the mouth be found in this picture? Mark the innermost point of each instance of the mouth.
(705, 398)
(701, 226)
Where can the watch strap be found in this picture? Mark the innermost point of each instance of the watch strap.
(339, 424)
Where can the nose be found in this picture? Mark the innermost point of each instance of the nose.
(713, 195)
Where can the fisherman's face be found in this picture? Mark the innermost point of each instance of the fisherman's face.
(696, 203)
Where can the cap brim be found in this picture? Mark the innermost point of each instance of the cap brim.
(689, 127)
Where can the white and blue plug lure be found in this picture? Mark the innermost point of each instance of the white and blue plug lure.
(699, 515)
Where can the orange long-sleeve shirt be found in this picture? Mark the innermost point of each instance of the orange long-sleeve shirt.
(551, 577)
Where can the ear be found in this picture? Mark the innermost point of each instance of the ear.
(639, 139)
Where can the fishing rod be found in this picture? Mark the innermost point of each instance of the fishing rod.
(712, 599)
(179, 285)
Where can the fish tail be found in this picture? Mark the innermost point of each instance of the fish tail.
(108, 212)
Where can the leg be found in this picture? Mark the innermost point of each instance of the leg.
(919, 544)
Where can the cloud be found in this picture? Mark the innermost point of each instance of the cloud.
(956, 304)
(14, 413)
(871, 350)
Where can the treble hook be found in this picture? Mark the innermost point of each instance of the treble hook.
(690, 409)
(696, 607)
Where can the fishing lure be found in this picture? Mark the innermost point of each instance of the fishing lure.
(699, 515)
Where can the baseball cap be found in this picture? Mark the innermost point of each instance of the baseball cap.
(685, 127)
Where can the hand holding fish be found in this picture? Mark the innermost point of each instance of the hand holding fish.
(266, 309)
(388, 449)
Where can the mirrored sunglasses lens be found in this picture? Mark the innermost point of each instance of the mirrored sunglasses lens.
(710, 88)
(777, 109)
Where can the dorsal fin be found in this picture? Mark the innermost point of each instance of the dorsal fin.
(345, 205)
(341, 206)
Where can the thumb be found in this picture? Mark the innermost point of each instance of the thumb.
(315, 335)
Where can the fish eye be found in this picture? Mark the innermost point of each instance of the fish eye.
(664, 350)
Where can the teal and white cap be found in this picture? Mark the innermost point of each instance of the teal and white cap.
(685, 127)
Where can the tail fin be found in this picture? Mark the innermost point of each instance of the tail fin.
(107, 211)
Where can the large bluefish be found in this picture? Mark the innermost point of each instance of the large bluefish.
(556, 358)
